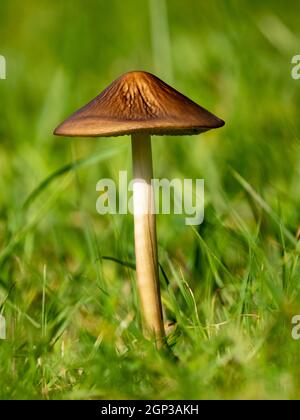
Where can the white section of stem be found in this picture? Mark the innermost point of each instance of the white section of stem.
(145, 237)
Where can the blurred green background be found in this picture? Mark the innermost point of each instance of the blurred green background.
(232, 285)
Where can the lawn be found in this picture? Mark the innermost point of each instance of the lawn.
(231, 285)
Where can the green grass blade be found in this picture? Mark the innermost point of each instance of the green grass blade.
(265, 206)
(80, 163)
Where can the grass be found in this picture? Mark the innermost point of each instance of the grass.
(229, 287)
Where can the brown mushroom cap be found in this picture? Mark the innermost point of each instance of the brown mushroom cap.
(138, 102)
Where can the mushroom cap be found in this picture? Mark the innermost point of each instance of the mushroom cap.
(138, 102)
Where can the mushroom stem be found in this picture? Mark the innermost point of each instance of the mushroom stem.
(145, 237)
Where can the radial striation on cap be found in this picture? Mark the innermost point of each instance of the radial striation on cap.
(138, 102)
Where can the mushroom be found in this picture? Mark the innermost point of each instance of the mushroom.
(139, 104)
